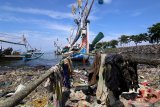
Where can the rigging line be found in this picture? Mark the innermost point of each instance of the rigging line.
(11, 42)
(29, 44)
(84, 8)
(89, 10)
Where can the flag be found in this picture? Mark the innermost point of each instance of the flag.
(79, 3)
(73, 10)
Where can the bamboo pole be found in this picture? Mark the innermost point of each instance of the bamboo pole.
(15, 99)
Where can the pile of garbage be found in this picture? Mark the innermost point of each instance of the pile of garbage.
(80, 94)
(148, 94)
(14, 80)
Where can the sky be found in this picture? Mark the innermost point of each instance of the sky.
(43, 21)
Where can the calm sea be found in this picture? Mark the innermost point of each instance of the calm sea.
(47, 60)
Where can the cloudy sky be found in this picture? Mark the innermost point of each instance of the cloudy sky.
(43, 21)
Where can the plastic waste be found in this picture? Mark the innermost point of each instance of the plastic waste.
(19, 88)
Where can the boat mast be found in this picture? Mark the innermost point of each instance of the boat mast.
(87, 38)
(27, 45)
(86, 23)
(83, 23)
(1, 46)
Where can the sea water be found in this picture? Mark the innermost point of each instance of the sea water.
(48, 59)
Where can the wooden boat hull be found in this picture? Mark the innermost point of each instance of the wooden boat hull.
(11, 58)
(79, 57)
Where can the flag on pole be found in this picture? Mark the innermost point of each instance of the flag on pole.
(73, 10)
(100, 1)
(79, 3)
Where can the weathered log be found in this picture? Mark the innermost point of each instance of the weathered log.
(15, 99)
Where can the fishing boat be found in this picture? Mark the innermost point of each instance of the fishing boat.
(10, 55)
(82, 52)
(82, 31)
(32, 54)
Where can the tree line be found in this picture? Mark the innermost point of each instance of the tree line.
(152, 36)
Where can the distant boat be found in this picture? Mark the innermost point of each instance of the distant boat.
(9, 55)
(58, 50)
(32, 54)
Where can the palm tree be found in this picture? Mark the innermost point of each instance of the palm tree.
(136, 39)
(154, 33)
(139, 38)
(124, 39)
(144, 37)
(113, 43)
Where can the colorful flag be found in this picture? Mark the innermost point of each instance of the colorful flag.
(73, 10)
(79, 3)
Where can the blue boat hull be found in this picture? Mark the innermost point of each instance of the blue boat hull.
(79, 57)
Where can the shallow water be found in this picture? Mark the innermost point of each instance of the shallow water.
(48, 60)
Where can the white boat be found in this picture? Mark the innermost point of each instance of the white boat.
(32, 54)
(6, 55)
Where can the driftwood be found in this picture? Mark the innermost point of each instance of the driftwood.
(15, 99)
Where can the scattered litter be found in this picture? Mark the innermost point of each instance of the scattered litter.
(5, 84)
(84, 103)
(86, 82)
(141, 77)
(145, 83)
(41, 102)
(129, 96)
(76, 71)
(78, 95)
(19, 88)
(47, 83)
